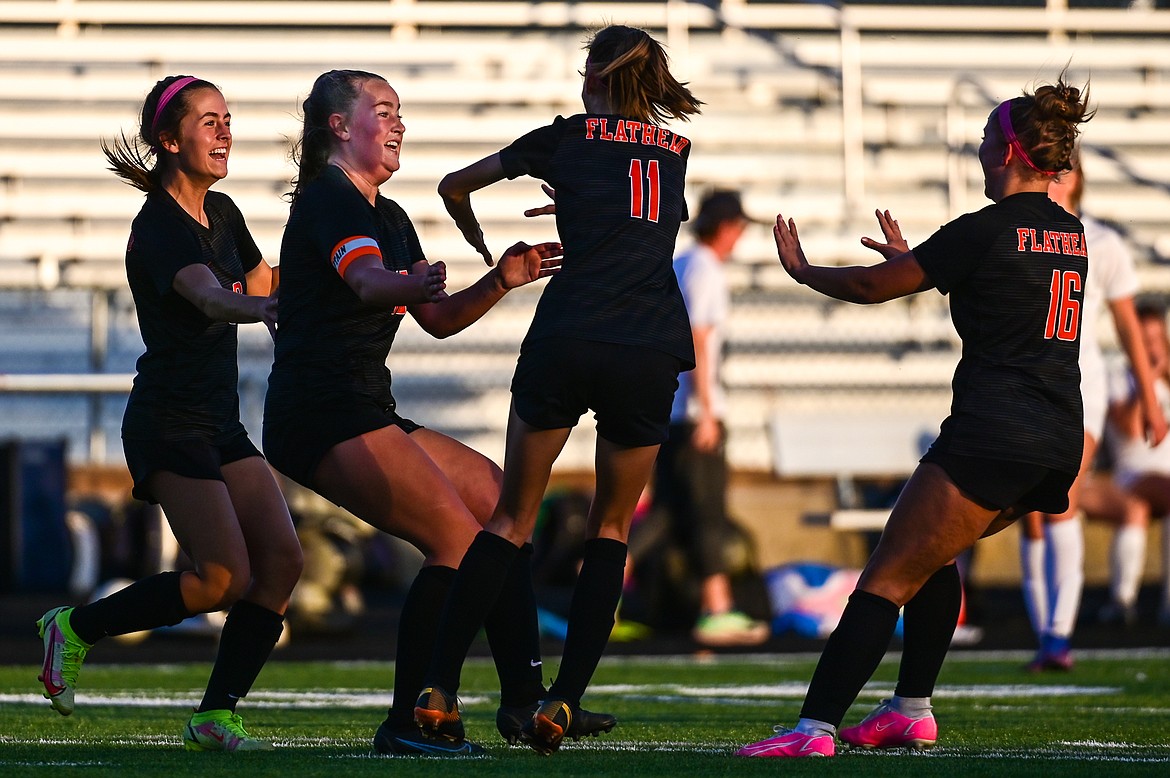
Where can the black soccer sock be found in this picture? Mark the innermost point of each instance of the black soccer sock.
(248, 636)
(153, 602)
(473, 595)
(851, 655)
(417, 626)
(513, 632)
(928, 624)
(591, 616)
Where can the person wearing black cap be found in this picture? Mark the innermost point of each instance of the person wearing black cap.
(690, 479)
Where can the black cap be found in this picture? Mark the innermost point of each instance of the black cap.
(719, 206)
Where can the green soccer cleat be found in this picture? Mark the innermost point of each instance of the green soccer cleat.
(64, 653)
(220, 730)
(732, 628)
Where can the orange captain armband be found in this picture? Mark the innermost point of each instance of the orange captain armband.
(345, 252)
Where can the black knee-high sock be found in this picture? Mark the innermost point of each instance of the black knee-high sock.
(513, 632)
(591, 616)
(852, 654)
(249, 633)
(928, 624)
(417, 626)
(473, 595)
(153, 602)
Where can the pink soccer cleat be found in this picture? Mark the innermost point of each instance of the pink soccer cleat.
(887, 728)
(789, 742)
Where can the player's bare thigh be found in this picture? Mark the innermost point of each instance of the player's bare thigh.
(931, 523)
(389, 481)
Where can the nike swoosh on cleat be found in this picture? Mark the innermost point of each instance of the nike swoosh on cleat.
(882, 728)
(436, 748)
(535, 662)
(46, 677)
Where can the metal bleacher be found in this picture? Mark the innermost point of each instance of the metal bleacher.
(818, 112)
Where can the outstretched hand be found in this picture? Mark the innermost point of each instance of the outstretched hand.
(788, 246)
(544, 210)
(895, 244)
(522, 264)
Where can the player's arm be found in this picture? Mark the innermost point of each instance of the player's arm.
(199, 286)
(456, 189)
(375, 285)
(1146, 409)
(521, 264)
(898, 276)
(1125, 416)
(707, 433)
(261, 280)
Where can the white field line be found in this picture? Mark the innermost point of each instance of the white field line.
(721, 694)
(958, 655)
(1072, 751)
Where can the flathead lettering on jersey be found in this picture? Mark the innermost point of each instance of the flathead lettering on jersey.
(237, 287)
(631, 131)
(1052, 242)
(346, 251)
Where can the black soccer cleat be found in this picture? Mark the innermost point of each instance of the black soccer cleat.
(511, 719)
(410, 740)
(437, 713)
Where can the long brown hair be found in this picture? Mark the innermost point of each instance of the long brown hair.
(332, 92)
(138, 160)
(635, 72)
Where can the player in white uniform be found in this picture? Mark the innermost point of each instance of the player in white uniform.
(1140, 489)
(1052, 548)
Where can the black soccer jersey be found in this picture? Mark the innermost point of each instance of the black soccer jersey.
(1015, 272)
(329, 345)
(187, 381)
(619, 191)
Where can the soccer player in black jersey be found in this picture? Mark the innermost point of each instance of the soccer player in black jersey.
(610, 334)
(351, 268)
(1015, 272)
(195, 273)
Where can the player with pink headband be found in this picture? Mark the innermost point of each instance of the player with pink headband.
(1015, 272)
(195, 273)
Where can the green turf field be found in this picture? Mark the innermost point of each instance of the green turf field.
(677, 716)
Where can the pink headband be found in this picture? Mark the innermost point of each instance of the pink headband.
(167, 94)
(1009, 134)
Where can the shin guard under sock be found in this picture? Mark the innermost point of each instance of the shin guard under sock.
(153, 602)
(928, 625)
(418, 623)
(591, 616)
(248, 636)
(473, 594)
(513, 632)
(851, 655)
